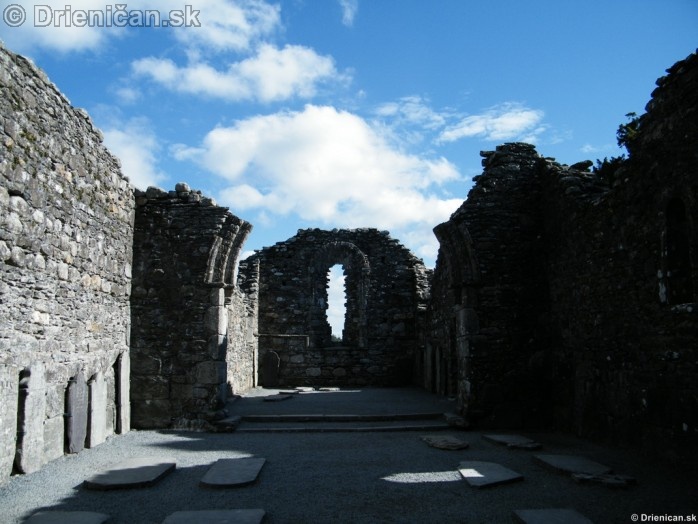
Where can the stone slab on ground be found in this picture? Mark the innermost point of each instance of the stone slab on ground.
(550, 516)
(278, 398)
(67, 517)
(217, 516)
(305, 389)
(445, 442)
(231, 473)
(573, 464)
(227, 424)
(455, 420)
(609, 479)
(513, 441)
(487, 474)
(132, 473)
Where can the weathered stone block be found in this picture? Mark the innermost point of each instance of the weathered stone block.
(211, 372)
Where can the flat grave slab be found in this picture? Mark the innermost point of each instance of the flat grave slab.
(487, 474)
(550, 516)
(305, 389)
(573, 464)
(67, 517)
(513, 441)
(216, 516)
(132, 473)
(445, 442)
(278, 398)
(232, 473)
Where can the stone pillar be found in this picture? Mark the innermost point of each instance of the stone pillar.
(76, 414)
(96, 432)
(8, 419)
(30, 455)
(123, 397)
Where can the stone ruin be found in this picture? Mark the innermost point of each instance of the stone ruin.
(562, 297)
(386, 294)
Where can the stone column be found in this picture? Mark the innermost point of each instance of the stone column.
(96, 432)
(8, 419)
(30, 456)
(123, 399)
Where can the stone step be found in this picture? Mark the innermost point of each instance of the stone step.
(218, 516)
(67, 517)
(343, 427)
(350, 418)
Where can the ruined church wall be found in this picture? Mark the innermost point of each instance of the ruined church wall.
(584, 316)
(66, 222)
(486, 345)
(185, 251)
(626, 368)
(386, 288)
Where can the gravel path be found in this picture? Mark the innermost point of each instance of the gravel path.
(348, 478)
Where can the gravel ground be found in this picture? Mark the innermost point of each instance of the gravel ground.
(349, 477)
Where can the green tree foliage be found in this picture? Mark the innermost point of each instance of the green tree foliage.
(627, 133)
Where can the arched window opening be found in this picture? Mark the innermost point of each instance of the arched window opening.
(336, 302)
(678, 260)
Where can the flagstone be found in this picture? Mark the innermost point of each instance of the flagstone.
(486, 474)
(573, 464)
(513, 441)
(132, 473)
(230, 473)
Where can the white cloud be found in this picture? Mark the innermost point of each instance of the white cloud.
(329, 167)
(413, 110)
(272, 74)
(225, 24)
(45, 28)
(136, 146)
(336, 299)
(349, 9)
(604, 148)
(127, 95)
(502, 122)
(229, 25)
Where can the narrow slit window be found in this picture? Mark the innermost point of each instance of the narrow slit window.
(336, 302)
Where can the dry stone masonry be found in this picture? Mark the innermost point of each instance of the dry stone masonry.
(66, 233)
(567, 297)
(562, 296)
(189, 318)
(386, 292)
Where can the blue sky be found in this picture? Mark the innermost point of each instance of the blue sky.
(356, 113)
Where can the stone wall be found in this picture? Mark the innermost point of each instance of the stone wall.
(567, 297)
(189, 320)
(489, 293)
(66, 222)
(386, 291)
(624, 281)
